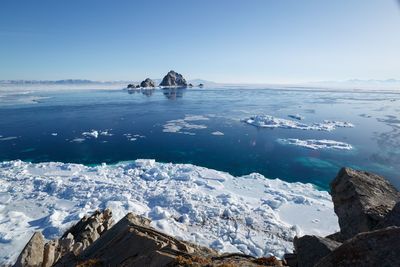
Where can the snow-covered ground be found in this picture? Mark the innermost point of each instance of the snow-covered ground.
(250, 214)
(316, 144)
(267, 121)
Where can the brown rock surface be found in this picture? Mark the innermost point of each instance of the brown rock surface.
(376, 248)
(361, 200)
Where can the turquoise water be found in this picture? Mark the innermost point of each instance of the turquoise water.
(50, 127)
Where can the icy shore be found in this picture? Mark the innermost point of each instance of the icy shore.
(250, 214)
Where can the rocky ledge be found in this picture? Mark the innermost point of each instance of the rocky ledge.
(368, 208)
(130, 242)
(367, 205)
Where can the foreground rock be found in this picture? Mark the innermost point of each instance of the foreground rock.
(376, 248)
(131, 242)
(361, 200)
(173, 79)
(369, 220)
(32, 254)
(310, 249)
(74, 241)
(147, 83)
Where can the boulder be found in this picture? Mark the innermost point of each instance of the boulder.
(173, 79)
(131, 85)
(147, 83)
(137, 244)
(361, 200)
(375, 248)
(392, 218)
(310, 249)
(201, 85)
(32, 254)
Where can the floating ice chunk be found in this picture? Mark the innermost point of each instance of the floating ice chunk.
(92, 133)
(8, 138)
(267, 121)
(316, 144)
(217, 133)
(184, 125)
(296, 116)
(106, 133)
(78, 140)
(54, 134)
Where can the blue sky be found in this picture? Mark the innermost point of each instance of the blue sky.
(262, 41)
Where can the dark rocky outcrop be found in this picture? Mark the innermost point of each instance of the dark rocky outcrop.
(73, 242)
(130, 242)
(173, 79)
(392, 218)
(376, 248)
(131, 85)
(310, 249)
(361, 200)
(201, 85)
(147, 83)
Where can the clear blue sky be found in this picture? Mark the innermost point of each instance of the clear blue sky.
(222, 40)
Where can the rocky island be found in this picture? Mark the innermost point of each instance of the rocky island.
(367, 206)
(171, 80)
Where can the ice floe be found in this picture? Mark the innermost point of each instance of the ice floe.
(217, 133)
(92, 133)
(267, 121)
(249, 214)
(133, 137)
(184, 125)
(316, 144)
(8, 138)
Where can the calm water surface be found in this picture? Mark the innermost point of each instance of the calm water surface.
(47, 126)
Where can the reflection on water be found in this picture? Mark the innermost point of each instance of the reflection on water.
(173, 93)
(169, 93)
(146, 91)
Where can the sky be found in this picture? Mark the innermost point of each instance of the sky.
(237, 41)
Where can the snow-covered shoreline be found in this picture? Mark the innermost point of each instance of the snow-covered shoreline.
(249, 214)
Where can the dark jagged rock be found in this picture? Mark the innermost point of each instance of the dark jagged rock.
(190, 85)
(392, 218)
(201, 85)
(74, 241)
(361, 200)
(376, 248)
(131, 85)
(173, 79)
(147, 83)
(338, 237)
(310, 249)
(32, 254)
(130, 242)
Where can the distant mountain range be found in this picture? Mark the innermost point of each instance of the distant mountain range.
(80, 81)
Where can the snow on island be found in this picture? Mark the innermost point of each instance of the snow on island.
(267, 121)
(316, 144)
(249, 214)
